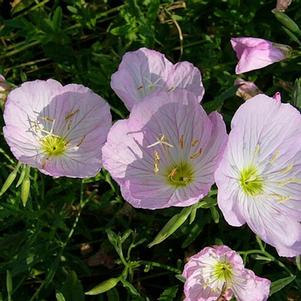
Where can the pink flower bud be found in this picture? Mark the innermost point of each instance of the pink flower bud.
(5, 88)
(282, 5)
(254, 53)
(277, 97)
(246, 90)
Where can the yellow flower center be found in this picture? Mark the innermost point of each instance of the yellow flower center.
(180, 175)
(53, 145)
(250, 181)
(223, 271)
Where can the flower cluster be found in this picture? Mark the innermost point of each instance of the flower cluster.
(169, 152)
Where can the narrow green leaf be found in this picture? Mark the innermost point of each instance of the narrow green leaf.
(9, 285)
(169, 294)
(207, 203)
(10, 179)
(214, 214)
(193, 234)
(57, 18)
(130, 288)
(291, 35)
(60, 297)
(287, 22)
(22, 175)
(172, 225)
(103, 287)
(25, 187)
(296, 95)
(281, 283)
(181, 278)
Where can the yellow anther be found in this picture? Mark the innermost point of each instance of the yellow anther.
(195, 142)
(47, 118)
(288, 181)
(172, 173)
(275, 156)
(181, 141)
(71, 114)
(287, 169)
(156, 156)
(196, 154)
(156, 167)
(280, 198)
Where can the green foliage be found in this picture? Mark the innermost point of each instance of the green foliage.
(74, 236)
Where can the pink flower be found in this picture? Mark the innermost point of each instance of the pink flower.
(166, 153)
(219, 271)
(59, 130)
(144, 72)
(259, 177)
(254, 53)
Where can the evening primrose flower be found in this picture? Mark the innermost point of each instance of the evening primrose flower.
(144, 72)
(58, 129)
(255, 53)
(259, 177)
(219, 271)
(165, 154)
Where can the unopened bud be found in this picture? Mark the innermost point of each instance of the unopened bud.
(246, 90)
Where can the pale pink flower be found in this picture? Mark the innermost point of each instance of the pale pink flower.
(259, 177)
(144, 72)
(58, 129)
(219, 271)
(166, 153)
(254, 53)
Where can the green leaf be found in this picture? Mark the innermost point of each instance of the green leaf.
(10, 179)
(281, 283)
(130, 288)
(172, 225)
(296, 95)
(103, 287)
(25, 187)
(169, 294)
(72, 289)
(181, 278)
(287, 22)
(214, 214)
(57, 18)
(60, 297)
(9, 284)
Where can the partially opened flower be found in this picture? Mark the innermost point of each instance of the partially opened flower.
(165, 154)
(144, 72)
(58, 129)
(259, 177)
(219, 271)
(254, 53)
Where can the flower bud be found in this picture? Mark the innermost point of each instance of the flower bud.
(254, 53)
(246, 89)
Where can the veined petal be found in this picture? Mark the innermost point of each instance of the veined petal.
(154, 154)
(249, 287)
(60, 130)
